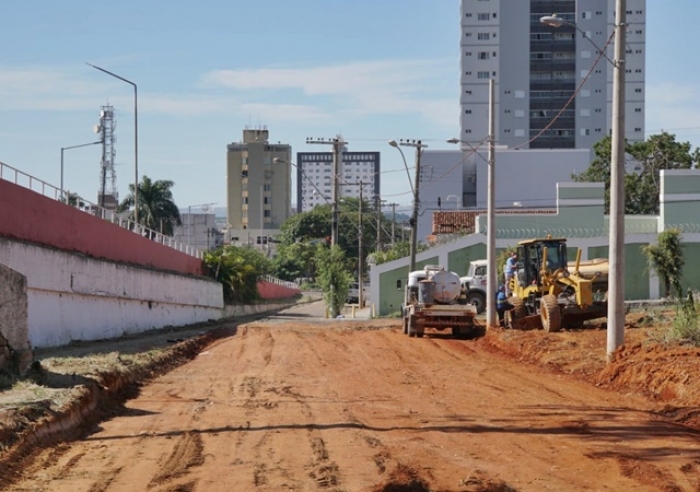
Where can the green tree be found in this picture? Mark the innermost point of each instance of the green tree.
(238, 269)
(666, 259)
(399, 250)
(157, 210)
(332, 277)
(641, 190)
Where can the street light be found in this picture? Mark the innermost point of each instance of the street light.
(616, 286)
(415, 187)
(136, 137)
(491, 277)
(73, 147)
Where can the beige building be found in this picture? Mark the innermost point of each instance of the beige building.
(258, 191)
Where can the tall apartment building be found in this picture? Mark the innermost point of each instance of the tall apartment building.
(538, 69)
(258, 191)
(315, 171)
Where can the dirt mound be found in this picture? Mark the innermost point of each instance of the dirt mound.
(403, 479)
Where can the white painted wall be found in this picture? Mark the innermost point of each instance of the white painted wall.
(72, 297)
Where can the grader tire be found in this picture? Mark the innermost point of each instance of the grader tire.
(550, 313)
(519, 310)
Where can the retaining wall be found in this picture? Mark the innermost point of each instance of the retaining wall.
(76, 297)
(269, 290)
(30, 216)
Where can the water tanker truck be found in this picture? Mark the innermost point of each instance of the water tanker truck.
(434, 298)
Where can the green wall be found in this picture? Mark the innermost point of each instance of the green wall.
(691, 270)
(458, 261)
(391, 298)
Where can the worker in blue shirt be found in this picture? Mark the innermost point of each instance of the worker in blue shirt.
(509, 271)
(502, 305)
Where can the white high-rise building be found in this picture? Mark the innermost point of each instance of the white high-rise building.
(542, 71)
(315, 171)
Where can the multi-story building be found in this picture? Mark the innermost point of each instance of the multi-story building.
(258, 190)
(550, 82)
(315, 171)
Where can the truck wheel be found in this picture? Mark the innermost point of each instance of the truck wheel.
(478, 299)
(411, 325)
(550, 313)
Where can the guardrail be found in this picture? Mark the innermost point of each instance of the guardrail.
(276, 281)
(13, 175)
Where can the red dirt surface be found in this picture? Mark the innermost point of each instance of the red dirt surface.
(291, 405)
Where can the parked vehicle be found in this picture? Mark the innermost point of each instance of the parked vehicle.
(354, 293)
(433, 298)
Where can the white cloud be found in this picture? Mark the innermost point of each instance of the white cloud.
(425, 88)
(361, 88)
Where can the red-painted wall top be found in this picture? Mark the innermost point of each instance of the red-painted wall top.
(30, 216)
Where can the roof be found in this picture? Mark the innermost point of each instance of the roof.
(541, 240)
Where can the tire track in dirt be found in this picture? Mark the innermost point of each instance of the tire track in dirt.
(186, 453)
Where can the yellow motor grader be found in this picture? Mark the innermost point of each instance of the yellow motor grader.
(549, 293)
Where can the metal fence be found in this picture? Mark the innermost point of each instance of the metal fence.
(13, 175)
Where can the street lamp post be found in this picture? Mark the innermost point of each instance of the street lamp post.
(415, 187)
(73, 147)
(491, 274)
(616, 286)
(136, 137)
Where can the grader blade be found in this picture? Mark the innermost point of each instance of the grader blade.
(532, 322)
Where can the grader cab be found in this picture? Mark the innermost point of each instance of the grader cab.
(548, 293)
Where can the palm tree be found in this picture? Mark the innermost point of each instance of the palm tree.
(157, 210)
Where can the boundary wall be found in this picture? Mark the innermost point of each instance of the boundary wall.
(75, 297)
(30, 216)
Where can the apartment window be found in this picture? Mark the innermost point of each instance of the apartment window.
(468, 53)
(483, 36)
(637, 129)
(467, 130)
(585, 132)
(483, 17)
(468, 15)
(507, 111)
(638, 90)
(519, 113)
(637, 110)
(586, 15)
(519, 94)
(585, 112)
(519, 132)
(467, 73)
(598, 110)
(585, 93)
(467, 111)
(482, 75)
(483, 55)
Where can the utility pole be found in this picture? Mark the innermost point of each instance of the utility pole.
(338, 144)
(378, 209)
(491, 214)
(616, 289)
(393, 225)
(419, 146)
(360, 282)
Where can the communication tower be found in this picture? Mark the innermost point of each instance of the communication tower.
(107, 196)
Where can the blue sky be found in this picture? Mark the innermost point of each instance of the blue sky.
(371, 70)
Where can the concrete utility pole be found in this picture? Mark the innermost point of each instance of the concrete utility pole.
(338, 144)
(616, 288)
(360, 272)
(491, 214)
(393, 224)
(415, 187)
(378, 208)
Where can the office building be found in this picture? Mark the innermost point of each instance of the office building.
(257, 189)
(553, 87)
(315, 183)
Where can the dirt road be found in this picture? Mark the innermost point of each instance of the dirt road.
(293, 404)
